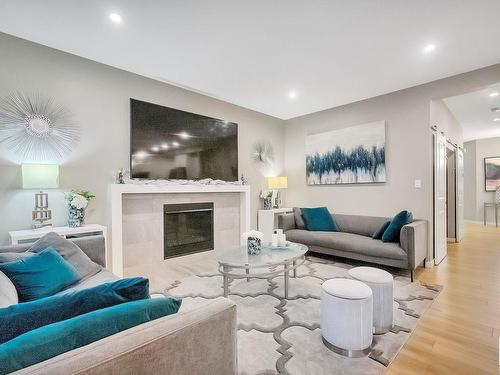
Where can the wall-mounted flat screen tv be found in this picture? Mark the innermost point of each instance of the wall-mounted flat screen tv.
(166, 143)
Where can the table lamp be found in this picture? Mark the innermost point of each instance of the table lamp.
(277, 183)
(40, 176)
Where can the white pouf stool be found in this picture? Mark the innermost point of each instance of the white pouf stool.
(347, 317)
(382, 284)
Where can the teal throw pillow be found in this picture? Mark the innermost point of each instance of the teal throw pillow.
(380, 231)
(40, 275)
(57, 338)
(319, 219)
(392, 232)
(23, 317)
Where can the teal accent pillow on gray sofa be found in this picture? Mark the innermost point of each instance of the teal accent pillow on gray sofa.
(380, 231)
(23, 317)
(392, 232)
(40, 275)
(319, 219)
(57, 338)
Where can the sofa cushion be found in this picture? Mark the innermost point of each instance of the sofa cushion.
(10, 257)
(99, 278)
(392, 232)
(299, 220)
(40, 275)
(69, 251)
(8, 292)
(57, 338)
(318, 219)
(23, 317)
(380, 231)
(348, 242)
(364, 225)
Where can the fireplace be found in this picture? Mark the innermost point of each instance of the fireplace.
(188, 228)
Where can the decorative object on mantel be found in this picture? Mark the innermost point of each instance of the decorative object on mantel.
(77, 203)
(120, 176)
(497, 195)
(262, 152)
(277, 183)
(266, 197)
(253, 240)
(35, 128)
(40, 176)
(206, 181)
(243, 180)
(352, 155)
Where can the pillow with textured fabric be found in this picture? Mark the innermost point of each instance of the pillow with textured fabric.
(57, 338)
(69, 251)
(299, 220)
(40, 275)
(380, 231)
(23, 317)
(9, 257)
(8, 293)
(319, 219)
(392, 232)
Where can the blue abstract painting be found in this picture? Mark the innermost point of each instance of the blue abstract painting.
(353, 155)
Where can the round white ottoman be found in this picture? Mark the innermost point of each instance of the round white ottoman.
(382, 284)
(347, 317)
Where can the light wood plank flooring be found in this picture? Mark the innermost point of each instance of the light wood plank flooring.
(459, 333)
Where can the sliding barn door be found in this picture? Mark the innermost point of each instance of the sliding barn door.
(440, 240)
(460, 194)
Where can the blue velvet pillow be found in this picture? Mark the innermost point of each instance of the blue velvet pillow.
(40, 275)
(57, 338)
(319, 219)
(391, 234)
(23, 317)
(380, 231)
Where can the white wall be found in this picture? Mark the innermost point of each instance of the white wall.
(98, 95)
(475, 194)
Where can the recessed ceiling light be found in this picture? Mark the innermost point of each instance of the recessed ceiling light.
(184, 135)
(115, 17)
(493, 94)
(175, 144)
(155, 149)
(164, 146)
(429, 48)
(496, 119)
(292, 94)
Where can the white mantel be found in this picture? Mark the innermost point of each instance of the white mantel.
(117, 191)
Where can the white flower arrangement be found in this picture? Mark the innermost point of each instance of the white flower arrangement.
(79, 199)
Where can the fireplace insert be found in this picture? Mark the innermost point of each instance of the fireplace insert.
(188, 228)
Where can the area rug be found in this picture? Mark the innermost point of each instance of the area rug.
(283, 336)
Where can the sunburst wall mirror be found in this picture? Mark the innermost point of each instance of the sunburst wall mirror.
(35, 128)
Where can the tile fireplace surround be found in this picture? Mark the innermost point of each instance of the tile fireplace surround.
(136, 214)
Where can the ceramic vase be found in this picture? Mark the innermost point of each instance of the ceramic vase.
(254, 245)
(497, 195)
(76, 217)
(268, 203)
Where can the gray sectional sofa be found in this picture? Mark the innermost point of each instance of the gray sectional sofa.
(193, 341)
(354, 240)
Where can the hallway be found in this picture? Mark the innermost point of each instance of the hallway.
(460, 332)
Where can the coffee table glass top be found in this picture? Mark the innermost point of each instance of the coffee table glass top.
(239, 257)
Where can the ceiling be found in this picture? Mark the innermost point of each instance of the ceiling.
(254, 53)
(473, 112)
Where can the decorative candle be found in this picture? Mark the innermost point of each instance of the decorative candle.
(274, 240)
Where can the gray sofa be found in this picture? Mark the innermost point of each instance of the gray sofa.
(194, 341)
(354, 240)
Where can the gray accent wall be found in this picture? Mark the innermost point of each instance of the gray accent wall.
(98, 95)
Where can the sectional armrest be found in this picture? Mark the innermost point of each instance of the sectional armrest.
(94, 247)
(197, 341)
(413, 240)
(286, 222)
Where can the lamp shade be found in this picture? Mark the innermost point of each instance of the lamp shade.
(280, 182)
(40, 176)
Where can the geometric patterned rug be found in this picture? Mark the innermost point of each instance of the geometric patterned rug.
(283, 336)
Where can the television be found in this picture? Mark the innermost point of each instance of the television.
(167, 143)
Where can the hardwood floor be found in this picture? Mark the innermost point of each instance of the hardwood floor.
(460, 332)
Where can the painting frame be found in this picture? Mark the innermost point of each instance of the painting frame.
(347, 156)
(490, 185)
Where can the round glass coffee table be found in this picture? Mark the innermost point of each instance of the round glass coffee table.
(270, 262)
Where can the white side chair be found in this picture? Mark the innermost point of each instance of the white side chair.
(347, 317)
(382, 285)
